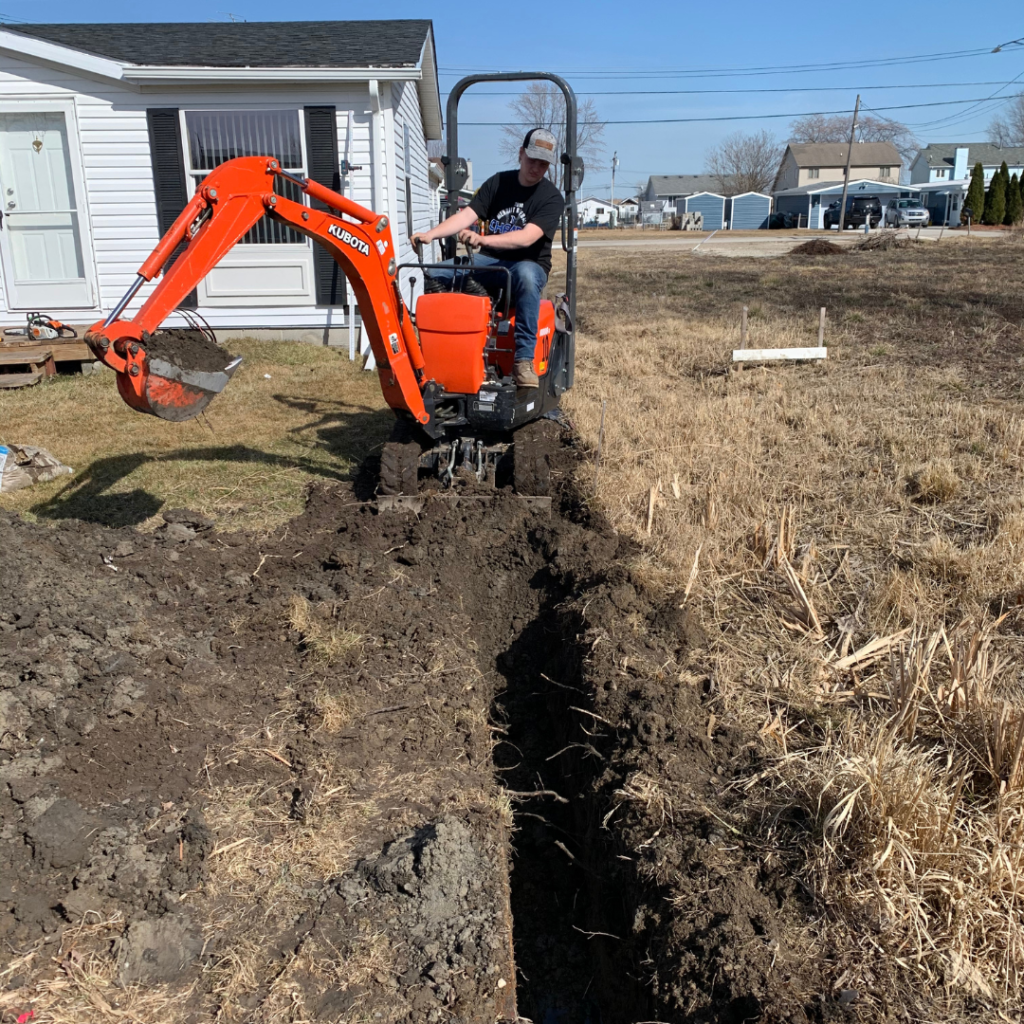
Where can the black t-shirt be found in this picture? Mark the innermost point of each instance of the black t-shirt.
(505, 205)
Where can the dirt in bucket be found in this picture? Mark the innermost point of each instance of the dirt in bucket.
(189, 350)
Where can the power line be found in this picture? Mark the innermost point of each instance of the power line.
(714, 92)
(981, 106)
(723, 72)
(736, 117)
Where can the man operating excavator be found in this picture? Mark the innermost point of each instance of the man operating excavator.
(520, 210)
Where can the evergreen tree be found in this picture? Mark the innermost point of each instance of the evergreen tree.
(995, 201)
(1014, 203)
(975, 201)
(1004, 171)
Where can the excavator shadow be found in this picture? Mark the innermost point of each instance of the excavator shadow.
(356, 438)
(345, 435)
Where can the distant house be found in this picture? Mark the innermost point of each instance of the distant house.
(594, 212)
(954, 161)
(811, 163)
(629, 210)
(667, 188)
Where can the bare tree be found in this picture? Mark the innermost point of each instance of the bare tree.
(543, 106)
(836, 128)
(1007, 127)
(744, 162)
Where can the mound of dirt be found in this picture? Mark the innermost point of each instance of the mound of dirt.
(189, 350)
(818, 247)
(885, 242)
(303, 750)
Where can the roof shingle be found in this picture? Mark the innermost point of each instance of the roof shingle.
(833, 154)
(257, 44)
(942, 154)
(688, 185)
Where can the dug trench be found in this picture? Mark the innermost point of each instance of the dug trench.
(453, 766)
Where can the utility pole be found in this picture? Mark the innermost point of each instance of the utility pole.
(846, 173)
(613, 216)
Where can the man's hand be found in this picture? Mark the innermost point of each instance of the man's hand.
(469, 237)
(420, 238)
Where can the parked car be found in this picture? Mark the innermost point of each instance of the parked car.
(859, 210)
(906, 213)
(783, 220)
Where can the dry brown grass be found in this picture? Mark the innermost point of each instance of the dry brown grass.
(322, 634)
(844, 531)
(246, 462)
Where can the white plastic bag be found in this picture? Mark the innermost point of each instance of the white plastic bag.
(22, 465)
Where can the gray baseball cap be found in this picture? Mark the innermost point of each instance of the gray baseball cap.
(540, 144)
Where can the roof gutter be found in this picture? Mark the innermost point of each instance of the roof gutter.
(173, 75)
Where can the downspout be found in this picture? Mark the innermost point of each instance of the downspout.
(377, 135)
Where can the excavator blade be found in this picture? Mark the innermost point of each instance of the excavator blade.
(416, 502)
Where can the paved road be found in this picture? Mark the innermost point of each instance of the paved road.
(767, 243)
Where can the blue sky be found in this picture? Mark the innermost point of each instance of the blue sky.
(667, 48)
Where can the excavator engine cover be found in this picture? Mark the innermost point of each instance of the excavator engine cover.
(504, 354)
(453, 334)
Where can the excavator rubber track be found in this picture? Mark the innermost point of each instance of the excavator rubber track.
(401, 488)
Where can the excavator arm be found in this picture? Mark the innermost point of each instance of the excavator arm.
(231, 199)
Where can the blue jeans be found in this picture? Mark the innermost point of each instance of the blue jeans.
(528, 280)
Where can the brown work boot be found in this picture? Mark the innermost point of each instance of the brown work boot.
(524, 375)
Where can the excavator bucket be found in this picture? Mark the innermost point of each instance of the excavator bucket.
(171, 392)
(151, 379)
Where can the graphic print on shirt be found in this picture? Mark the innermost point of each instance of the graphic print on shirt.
(512, 218)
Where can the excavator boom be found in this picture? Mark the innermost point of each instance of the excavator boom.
(231, 199)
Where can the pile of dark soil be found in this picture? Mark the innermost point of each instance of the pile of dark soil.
(274, 774)
(189, 350)
(818, 247)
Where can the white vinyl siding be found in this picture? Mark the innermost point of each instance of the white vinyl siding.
(408, 122)
(119, 194)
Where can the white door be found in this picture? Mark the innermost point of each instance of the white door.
(41, 232)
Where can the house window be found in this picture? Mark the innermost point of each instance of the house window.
(940, 172)
(813, 172)
(600, 210)
(884, 172)
(214, 136)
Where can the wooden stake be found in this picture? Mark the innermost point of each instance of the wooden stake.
(600, 442)
(652, 497)
(821, 328)
(743, 329)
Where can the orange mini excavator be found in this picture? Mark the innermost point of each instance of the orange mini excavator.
(445, 367)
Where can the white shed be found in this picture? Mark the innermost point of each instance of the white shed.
(106, 130)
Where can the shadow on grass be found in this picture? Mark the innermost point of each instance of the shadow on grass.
(344, 435)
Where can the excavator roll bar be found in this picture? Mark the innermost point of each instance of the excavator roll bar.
(457, 173)
(232, 198)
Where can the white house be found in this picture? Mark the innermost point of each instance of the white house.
(594, 212)
(106, 130)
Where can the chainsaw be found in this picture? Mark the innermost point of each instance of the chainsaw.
(41, 327)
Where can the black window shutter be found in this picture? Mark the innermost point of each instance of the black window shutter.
(168, 161)
(322, 157)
